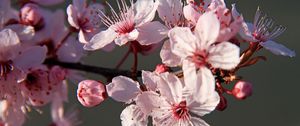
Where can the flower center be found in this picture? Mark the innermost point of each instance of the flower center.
(180, 111)
(6, 68)
(200, 58)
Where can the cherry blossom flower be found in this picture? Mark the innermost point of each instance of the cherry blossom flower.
(263, 30)
(84, 18)
(173, 106)
(131, 24)
(199, 49)
(30, 14)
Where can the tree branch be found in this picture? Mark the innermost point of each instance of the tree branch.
(107, 72)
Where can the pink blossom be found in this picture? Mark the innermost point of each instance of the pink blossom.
(198, 49)
(133, 116)
(132, 24)
(173, 106)
(91, 93)
(263, 30)
(84, 18)
(242, 90)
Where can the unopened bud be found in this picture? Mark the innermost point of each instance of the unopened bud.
(161, 68)
(242, 90)
(91, 93)
(31, 14)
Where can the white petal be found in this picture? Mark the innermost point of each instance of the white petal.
(144, 11)
(122, 89)
(169, 10)
(246, 32)
(133, 116)
(150, 79)
(207, 29)
(183, 42)
(170, 87)
(150, 101)
(151, 33)
(125, 38)
(31, 57)
(70, 51)
(168, 57)
(224, 55)
(278, 49)
(101, 39)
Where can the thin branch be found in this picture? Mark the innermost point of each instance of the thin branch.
(107, 72)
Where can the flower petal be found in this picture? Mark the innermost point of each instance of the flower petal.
(198, 122)
(101, 39)
(133, 116)
(151, 33)
(31, 57)
(144, 11)
(72, 16)
(70, 51)
(207, 29)
(278, 49)
(170, 87)
(123, 89)
(183, 41)
(168, 57)
(150, 101)
(169, 11)
(224, 55)
(150, 80)
(191, 14)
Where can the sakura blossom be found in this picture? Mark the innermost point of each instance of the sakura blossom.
(130, 24)
(46, 47)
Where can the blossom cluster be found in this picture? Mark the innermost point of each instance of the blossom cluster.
(200, 49)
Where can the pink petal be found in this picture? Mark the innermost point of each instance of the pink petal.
(101, 39)
(183, 42)
(168, 57)
(31, 57)
(190, 76)
(151, 33)
(144, 11)
(207, 29)
(198, 121)
(150, 101)
(170, 87)
(133, 116)
(123, 89)
(191, 14)
(278, 49)
(224, 55)
(72, 16)
(70, 51)
(170, 10)
(150, 80)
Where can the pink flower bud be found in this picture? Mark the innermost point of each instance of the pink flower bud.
(30, 14)
(242, 90)
(91, 93)
(161, 68)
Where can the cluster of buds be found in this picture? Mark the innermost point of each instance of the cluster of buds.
(200, 50)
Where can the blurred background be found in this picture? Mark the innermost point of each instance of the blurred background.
(276, 97)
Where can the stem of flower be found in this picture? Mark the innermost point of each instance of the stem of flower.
(135, 62)
(123, 59)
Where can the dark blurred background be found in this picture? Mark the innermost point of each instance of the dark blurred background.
(275, 100)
